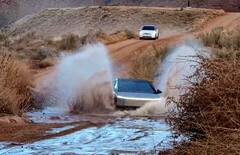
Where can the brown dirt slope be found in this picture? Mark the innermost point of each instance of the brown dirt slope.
(12, 10)
(56, 22)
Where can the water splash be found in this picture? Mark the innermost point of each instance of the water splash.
(172, 71)
(83, 81)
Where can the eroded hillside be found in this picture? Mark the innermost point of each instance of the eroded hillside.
(13, 10)
(56, 22)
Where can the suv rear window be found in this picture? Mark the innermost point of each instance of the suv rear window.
(148, 28)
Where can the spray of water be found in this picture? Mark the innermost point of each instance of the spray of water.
(172, 72)
(83, 81)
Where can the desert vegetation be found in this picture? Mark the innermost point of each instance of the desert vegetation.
(207, 116)
(21, 56)
(145, 65)
(15, 85)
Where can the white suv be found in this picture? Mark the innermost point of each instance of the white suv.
(149, 32)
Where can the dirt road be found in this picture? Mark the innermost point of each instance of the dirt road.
(230, 21)
(124, 52)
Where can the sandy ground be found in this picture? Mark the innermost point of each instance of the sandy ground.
(122, 53)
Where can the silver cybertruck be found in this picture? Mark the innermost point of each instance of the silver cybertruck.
(134, 93)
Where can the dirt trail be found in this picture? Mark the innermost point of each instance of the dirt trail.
(124, 52)
(230, 21)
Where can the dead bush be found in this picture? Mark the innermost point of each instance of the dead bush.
(42, 64)
(221, 38)
(101, 36)
(225, 44)
(28, 37)
(130, 34)
(212, 38)
(15, 83)
(3, 37)
(208, 114)
(95, 36)
(4, 40)
(160, 52)
(69, 42)
(41, 54)
(145, 65)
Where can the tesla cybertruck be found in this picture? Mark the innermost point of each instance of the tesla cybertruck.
(134, 93)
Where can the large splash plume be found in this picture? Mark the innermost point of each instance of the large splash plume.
(180, 63)
(82, 82)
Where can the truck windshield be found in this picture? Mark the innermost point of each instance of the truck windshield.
(135, 87)
(148, 28)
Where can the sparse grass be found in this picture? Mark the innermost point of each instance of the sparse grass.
(225, 44)
(15, 83)
(28, 37)
(145, 65)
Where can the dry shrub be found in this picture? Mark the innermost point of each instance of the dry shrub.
(101, 36)
(43, 64)
(42, 54)
(28, 37)
(94, 36)
(225, 44)
(208, 114)
(15, 83)
(221, 38)
(3, 37)
(4, 40)
(130, 34)
(69, 42)
(145, 65)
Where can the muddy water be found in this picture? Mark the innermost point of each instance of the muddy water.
(126, 135)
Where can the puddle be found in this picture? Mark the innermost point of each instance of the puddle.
(2, 145)
(120, 135)
(50, 115)
(132, 136)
